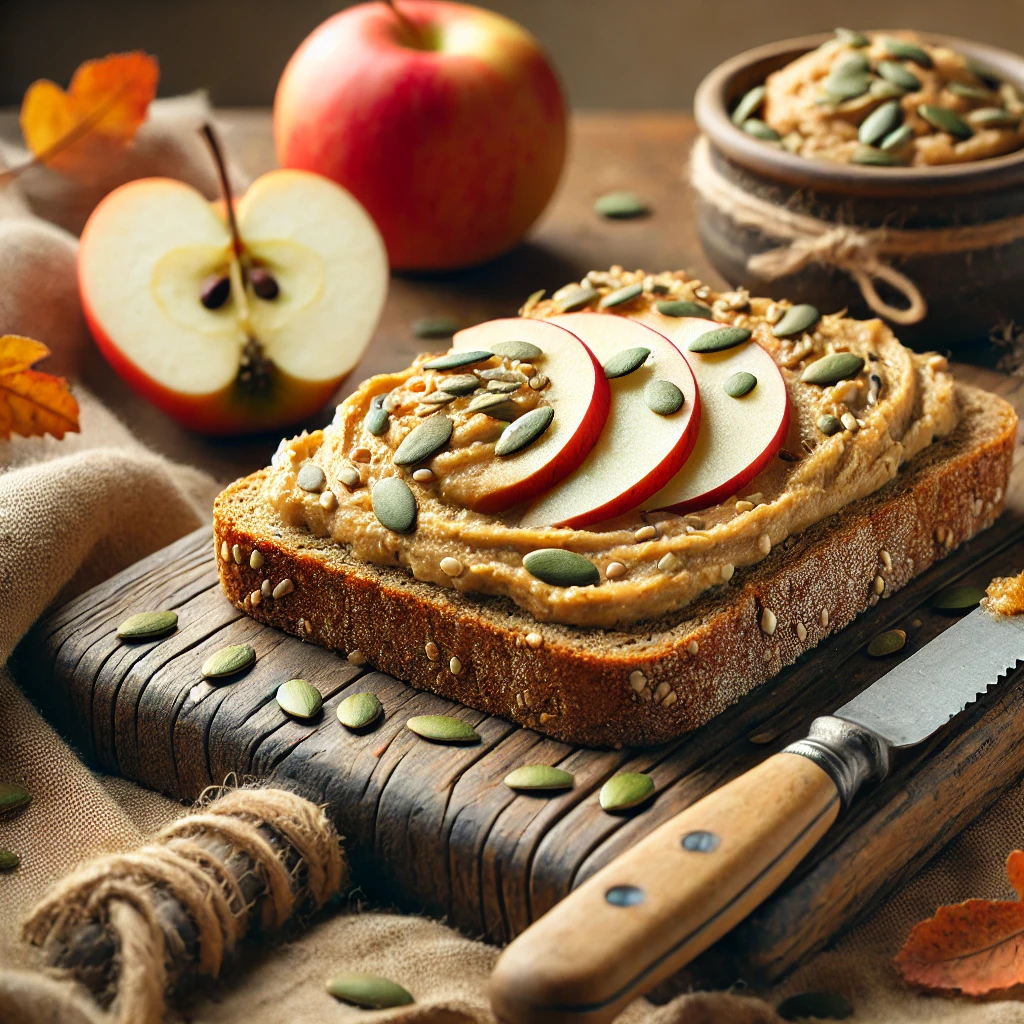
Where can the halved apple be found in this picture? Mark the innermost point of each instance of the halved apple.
(292, 313)
(738, 437)
(638, 451)
(576, 390)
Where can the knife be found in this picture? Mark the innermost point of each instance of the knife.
(650, 911)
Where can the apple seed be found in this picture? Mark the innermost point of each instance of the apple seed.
(264, 284)
(214, 291)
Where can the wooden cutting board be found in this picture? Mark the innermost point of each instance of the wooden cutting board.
(433, 827)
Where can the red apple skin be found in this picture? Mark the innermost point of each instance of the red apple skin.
(454, 149)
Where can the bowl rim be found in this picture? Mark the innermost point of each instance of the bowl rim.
(712, 114)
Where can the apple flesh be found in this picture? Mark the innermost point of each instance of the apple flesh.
(445, 121)
(639, 451)
(579, 394)
(738, 437)
(148, 254)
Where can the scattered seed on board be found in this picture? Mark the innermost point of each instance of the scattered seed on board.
(148, 626)
(626, 362)
(368, 991)
(561, 568)
(299, 698)
(621, 792)
(443, 729)
(13, 796)
(539, 777)
(663, 397)
(229, 661)
(359, 710)
(620, 205)
(283, 589)
(394, 504)
(887, 643)
(957, 598)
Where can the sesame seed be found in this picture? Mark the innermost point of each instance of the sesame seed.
(824, 617)
(669, 563)
(801, 632)
(356, 657)
(886, 559)
(646, 533)
(727, 571)
(879, 584)
(254, 598)
(451, 566)
(850, 421)
(360, 455)
(949, 538)
(328, 500)
(236, 554)
(670, 700)
(432, 651)
(662, 691)
(283, 588)
(768, 621)
(534, 640)
(256, 559)
(693, 647)
(615, 570)
(637, 680)
(744, 506)
(978, 506)
(225, 551)
(423, 476)
(265, 589)
(764, 544)
(455, 666)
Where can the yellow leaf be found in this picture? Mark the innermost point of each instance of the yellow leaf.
(99, 114)
(32, 403)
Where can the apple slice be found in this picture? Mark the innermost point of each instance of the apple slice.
(738, 437)
(258, 359)
(639, 451)
(577, 391)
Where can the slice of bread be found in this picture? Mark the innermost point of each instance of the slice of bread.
(650, 682)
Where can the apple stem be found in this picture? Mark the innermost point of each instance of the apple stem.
(403, 18)
(225, 185)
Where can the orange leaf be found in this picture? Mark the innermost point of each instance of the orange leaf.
(98, 115)
(976, 946)
(32, 403)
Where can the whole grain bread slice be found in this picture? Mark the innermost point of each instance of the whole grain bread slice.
(643, 684)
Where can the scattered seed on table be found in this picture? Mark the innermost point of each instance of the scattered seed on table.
(369, 991)
(228, 661)
(621, 205)
(443, 729)
(299, 698)
(886, 643)
(957, 598)
(621, 792)
(359, 710)
(539, 777)
(148, 626)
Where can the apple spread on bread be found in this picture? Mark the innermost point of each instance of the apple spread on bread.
(617, 451)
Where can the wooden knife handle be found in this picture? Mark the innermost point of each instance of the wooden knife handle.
(651, 910)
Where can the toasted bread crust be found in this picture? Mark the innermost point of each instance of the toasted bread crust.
(650, 682)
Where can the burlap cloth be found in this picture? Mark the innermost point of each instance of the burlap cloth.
(74, 511)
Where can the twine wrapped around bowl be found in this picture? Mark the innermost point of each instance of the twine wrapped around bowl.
(936, 251)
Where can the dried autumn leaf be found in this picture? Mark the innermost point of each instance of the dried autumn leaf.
(975, 947)
(99, 114)
(32, 403)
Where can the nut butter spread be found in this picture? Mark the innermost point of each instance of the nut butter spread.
(845, 441)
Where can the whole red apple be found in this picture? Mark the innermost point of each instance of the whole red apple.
(444, 120)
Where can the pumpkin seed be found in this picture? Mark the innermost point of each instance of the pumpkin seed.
(621, 295)
(501, 387)
(760, 130)
(539, 776)
(832, 369)
(944, 120)
(576, 298)
(887, 643)
(680, 307)
(880, 122)
(740, 384)
(501, 407)
(957, 598)
(871, 157)
(792, 142)
(439, 398)
(626, 362)
(561, 568)
(394, 504)
(359, 710)
(898, 75)
(455, 360)
(312, 478)
(749, 104)
(464, 384)
(993, 117)
(796, 320)
(821, 1005)
(829, 424)
(974, 93)
(368, 991)
(663, 397)
(620, 205)
(627, 790)
(434, 327)
(521, 350)
(509, 376)
(531, 300)
(424, 441)
(880, 89)
(443, 729)
(983, 73)
(8, 860)
(851, 37)
(719, 340)
(12, 797)
(897, 139)
(147, 626)
(299, 698)
(228, 661)
(376, 419)
(524, 431)
(846, 86)
(902, 50)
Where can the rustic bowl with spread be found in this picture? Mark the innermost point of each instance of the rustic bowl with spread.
(937, 249)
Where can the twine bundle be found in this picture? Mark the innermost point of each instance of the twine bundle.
(863, 253)
(256, 855)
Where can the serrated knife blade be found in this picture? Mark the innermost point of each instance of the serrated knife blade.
(922, 693)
